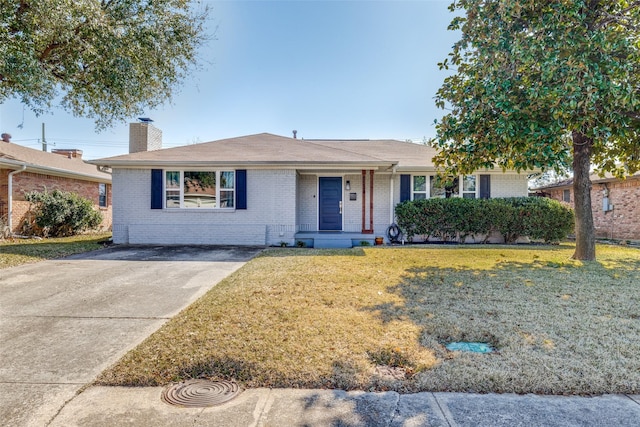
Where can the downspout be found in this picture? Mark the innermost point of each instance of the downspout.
(10, 196)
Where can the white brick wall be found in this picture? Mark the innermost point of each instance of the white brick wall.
(307, 203)
(268, 219)
(509, 185)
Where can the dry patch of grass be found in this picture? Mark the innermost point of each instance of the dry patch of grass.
(15, 252)
(378, 319)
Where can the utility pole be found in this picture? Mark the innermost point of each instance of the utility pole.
(44, 141)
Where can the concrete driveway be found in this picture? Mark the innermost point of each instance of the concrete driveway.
(64, 321)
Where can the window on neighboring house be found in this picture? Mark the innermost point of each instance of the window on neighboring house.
(566, 196)
(102, 195)
(200, 189)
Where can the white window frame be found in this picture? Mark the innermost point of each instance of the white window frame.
(475, 192)
(461, 190)
(180, 190)
(426, 184)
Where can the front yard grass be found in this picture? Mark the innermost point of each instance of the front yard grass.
(15, 252)
(379, 319)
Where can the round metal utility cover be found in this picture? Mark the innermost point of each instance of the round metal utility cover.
(200, 393)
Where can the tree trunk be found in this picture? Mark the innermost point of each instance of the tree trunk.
(585, 231)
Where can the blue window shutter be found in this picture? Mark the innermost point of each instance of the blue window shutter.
(241, 189)
(405, 188)
(156, 188)
(485, 186)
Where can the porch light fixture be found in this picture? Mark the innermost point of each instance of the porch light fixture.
(347, 185)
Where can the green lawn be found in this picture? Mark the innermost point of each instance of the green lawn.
(15, 252)
(378, 319)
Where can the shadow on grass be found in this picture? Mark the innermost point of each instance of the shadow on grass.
(311, 252)
(50, 248)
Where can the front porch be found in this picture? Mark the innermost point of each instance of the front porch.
(333, 239)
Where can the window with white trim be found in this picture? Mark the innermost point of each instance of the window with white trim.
(419, 187)
(469, 187)
(444, 188)
(200, 189)
(432, 186)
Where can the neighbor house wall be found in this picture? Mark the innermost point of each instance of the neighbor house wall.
(26, 182)
(623, 220)
(270, 217)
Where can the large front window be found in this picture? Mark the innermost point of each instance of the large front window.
(433, 186)
(200, 189)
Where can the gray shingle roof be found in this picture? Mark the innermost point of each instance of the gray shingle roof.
(269, 149)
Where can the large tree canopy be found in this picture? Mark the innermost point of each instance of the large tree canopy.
(107, 60)
(540, 84)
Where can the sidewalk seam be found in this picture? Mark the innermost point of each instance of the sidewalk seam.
(444, 411)
(262, 409)
(64, 405)
(632, 399)
(396, 411)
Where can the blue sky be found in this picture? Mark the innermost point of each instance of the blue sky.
(329, 69)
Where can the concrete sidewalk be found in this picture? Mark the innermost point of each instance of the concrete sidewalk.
(118, 406)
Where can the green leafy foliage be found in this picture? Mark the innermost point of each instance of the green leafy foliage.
(109, 60)
(543, 84)
(60, 213)
(456, 218)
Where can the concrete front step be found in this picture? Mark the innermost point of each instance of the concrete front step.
(320, 243)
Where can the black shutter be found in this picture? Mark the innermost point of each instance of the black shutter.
(485, 186)
(241, 189)
(405, 188)
(156, 188)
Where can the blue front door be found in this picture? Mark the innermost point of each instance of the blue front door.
(330, 204)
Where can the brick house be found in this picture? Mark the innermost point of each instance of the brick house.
(616, 211)
(24, 169)
(267, 189)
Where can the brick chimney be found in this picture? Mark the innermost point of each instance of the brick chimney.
(144, 136)
(72, 153)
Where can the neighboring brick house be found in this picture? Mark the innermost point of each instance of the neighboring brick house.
(24, 169)
(615, 204)
(267, 189)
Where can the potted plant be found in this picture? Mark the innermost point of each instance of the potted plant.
(379, 240)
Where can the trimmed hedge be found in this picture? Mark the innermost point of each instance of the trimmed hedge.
(457, 218)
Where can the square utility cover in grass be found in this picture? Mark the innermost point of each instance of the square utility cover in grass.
(379, 319)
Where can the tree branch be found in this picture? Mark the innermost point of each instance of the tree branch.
(620, 16)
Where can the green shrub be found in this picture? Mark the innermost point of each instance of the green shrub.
(60, 213)
(458, 218)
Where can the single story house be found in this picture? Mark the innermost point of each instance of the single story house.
(614, 201)
(267, 189)
(24, 169)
